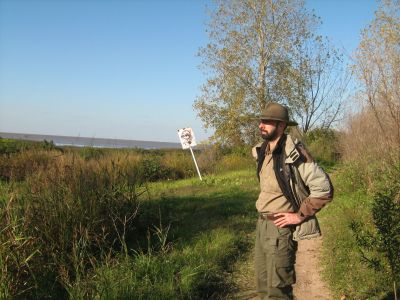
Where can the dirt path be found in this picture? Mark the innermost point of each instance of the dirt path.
(309, 284)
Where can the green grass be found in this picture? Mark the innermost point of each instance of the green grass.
(64, 234)
(343, 266)
(60, 240)
(70, 215)
(195, 232)
(195, 271)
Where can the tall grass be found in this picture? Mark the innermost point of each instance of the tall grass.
(202, 228)
(61, 219)
(89, 223)
(192, 272)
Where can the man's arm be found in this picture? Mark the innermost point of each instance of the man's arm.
(320, 186)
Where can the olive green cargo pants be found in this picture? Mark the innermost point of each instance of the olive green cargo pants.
(275, 256)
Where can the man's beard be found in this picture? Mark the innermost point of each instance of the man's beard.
(270, 136)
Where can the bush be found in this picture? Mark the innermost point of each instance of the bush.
(9, 146)
(179, 165)
(324, 146)
(152, 169)
(215, 159)
(380, 249)
(360, 226)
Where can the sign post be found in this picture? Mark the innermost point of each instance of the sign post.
(186, 136)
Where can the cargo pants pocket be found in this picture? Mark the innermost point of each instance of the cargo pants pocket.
(285, 257)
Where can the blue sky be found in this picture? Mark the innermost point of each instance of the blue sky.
(120, 69)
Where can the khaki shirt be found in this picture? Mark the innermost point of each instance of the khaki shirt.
(271, 198)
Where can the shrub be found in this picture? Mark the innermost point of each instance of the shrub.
(9, 146)
(179, 165)
(152, 169)
(380, 250)
(206, 158)
(214, 158)
(323, 145)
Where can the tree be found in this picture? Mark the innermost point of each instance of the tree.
(377, 67)
(315, 84)
(251, 59)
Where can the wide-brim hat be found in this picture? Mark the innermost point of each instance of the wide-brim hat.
(276, 112)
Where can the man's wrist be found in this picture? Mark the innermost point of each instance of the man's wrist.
(300, 213)
(301, 216)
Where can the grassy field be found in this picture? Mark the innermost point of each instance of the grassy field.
(187, 235)
(201, 230)
(88, 223)
(103, 224)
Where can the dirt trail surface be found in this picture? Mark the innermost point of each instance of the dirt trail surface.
(309, 282)
(309, 286)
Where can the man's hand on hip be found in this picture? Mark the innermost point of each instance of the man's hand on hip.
(286, 219)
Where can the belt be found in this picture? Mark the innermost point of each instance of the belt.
(267, 216)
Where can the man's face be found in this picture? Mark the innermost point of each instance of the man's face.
(268, 129)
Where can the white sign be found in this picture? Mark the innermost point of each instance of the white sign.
(186, 136)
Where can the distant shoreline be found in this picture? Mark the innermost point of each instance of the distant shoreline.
(59, 140)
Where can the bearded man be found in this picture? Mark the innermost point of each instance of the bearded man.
(293, 188)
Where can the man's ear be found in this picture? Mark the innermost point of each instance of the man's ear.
(282, 125)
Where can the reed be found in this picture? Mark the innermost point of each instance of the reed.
(75, 221)
(62, 217)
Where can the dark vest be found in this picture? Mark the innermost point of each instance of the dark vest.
(286, 174)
